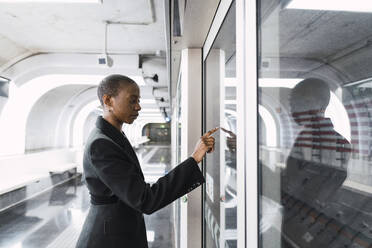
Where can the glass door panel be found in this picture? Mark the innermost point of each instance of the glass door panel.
(315, 123)
(220, 201)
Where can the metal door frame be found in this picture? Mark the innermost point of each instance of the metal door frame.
(247, 135)
(247, 114)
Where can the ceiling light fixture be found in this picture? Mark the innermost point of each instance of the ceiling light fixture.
(138, 79)
(332, 5)
(147, 101)
(51, 1)
(279, 82)
(150, 110)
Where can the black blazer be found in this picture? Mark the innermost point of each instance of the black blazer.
(119, 194)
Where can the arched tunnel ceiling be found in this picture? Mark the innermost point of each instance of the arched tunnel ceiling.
(314, 42)
(33, 29)
(41, 27)
(45, 116)
(53, 113)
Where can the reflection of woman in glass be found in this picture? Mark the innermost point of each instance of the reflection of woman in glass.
(230, 197)
(318, 141)
(316, 166)
(230, 140)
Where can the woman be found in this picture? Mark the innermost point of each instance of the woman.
(119, 194)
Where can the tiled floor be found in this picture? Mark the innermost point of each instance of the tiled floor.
(54, 219)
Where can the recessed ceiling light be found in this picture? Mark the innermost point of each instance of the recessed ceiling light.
(332, 5)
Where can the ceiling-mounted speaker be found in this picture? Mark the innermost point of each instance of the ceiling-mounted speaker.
(154, 78)
(154, 72)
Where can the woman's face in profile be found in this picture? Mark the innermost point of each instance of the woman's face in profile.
(126, 105)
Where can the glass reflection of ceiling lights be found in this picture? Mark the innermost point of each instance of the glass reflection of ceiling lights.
(230, 81)
(279, 82)
(332, 5)
(230, 102)
(365, 83)
(268, 82)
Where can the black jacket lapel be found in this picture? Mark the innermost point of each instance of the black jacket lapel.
(111, 131)
(117, 136)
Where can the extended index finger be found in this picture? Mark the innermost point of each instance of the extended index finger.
(226, 131)
(210, 132)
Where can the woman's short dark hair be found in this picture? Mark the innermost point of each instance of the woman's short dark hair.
(310, 94)
(111, 84)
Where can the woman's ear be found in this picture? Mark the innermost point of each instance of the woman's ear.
(107, 102)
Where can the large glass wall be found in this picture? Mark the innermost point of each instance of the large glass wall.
(220, 198)
(315, 136)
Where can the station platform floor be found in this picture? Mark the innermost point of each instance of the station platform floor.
(54, 219)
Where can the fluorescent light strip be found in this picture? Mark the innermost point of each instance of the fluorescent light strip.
(332, 5)
(150, 114)
(50, 1)
(150, 110)
(230, 101)
(147, 101)
(279, 82)
(139, 80)
(230, 82)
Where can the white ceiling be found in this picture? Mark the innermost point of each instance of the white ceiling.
(307, 43)
(33, 27)
(197, 16)
(28, 28)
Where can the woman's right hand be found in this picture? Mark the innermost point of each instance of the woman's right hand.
(204, 145)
